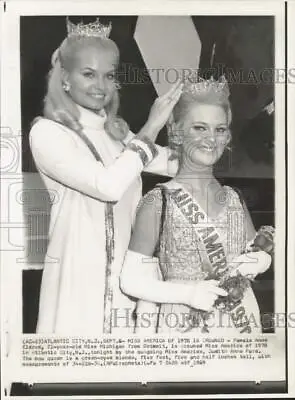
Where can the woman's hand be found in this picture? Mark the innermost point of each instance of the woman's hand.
(203, 295)
(251, 264)
(160, 112)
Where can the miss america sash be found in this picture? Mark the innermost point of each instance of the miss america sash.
(212, 248)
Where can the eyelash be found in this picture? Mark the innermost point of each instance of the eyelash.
(199, 128)
(221, 130)
(204, 129)
(88, 74)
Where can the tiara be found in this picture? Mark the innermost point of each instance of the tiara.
(94, 29)
(198, 86)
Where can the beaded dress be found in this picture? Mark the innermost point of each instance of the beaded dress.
(191, 247)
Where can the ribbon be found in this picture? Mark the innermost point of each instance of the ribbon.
(109, 245)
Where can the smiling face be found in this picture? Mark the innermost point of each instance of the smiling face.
(206, 134)
(91, 77)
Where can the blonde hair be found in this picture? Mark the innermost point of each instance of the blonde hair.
(60, 107)
(186, 101)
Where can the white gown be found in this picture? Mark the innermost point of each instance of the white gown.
(73, 282)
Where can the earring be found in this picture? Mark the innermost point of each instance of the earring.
(228, 147)
(175, 136)
(117, 85)
(66, 86)
(175, 142)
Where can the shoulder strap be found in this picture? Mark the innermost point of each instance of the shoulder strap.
(163, 210)
(163, 214)
(239, 193)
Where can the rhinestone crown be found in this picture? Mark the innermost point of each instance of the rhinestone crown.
(93, 29)
(198, 86)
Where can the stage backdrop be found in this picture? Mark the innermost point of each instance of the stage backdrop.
(241, 48)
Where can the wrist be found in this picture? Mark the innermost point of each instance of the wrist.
(146, 149)
(149, 131)
(136, 146)
(150, 145)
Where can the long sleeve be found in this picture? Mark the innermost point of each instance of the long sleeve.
(160, 165)
(58, 155)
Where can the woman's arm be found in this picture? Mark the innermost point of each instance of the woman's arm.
(160, 165)
(249, 227)
(250, 263)
(57, 155)
(139, 272)
(138, 275)
(250, 230)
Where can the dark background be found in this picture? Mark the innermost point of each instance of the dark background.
(242, 42)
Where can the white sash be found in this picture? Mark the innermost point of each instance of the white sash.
(214, 255)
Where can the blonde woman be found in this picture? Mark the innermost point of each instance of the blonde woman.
(197, 229)
(86, 154)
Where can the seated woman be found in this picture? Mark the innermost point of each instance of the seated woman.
(199, 230)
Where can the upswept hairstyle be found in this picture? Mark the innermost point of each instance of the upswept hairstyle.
(187, 99)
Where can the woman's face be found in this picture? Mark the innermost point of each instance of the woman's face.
(206, 134)
(91, 77)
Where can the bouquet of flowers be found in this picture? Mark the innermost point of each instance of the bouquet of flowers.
(233, 282)
(264, 240)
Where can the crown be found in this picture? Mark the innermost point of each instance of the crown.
(94, 29)
(198, 86)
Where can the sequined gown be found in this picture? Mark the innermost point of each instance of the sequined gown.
(183, 260)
